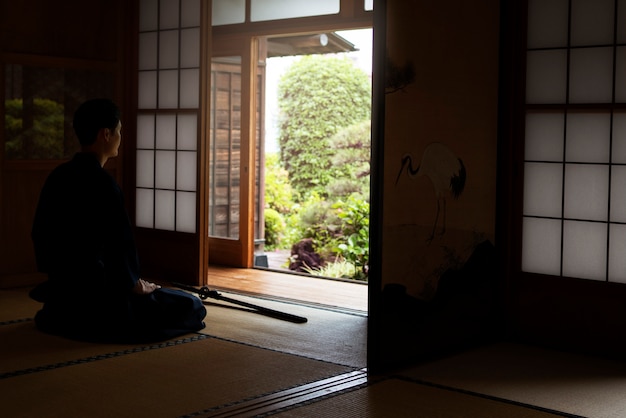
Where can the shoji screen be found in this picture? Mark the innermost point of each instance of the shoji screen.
(575, 142)
(167, 121)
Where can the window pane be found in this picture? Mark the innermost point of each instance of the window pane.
(284, 9)
(145, 168)
(148, 18)
(226, 12)
(189, 89)
(544, 136)
(618, 195)
(591, 75)
(148, 51)
(145, 131)
(144, 212)
(541, 246)
(165, 170)
(187, 132)
(546, 76)
(586, 192)
(584, 250)
(39, 104)
(592, 22)
(588, 137)
(369, 5)
(620, 74)
(190, 48)
(621, 22)
(225, 145)
(190, 13)
(168, 49)
(147, 90)
(169, 14)
(166, 132)
(547, 23)
(168, 89)
(186, 171)
(165, 209)
(186, 212)
(617, 249)
(619, 138)
(543, 186)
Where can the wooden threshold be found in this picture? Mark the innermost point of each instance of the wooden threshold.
(274, 284)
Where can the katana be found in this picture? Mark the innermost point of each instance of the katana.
(204, 292)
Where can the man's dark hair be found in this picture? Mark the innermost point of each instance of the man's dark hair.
(93, 115)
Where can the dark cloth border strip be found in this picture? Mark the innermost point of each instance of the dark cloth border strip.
(489, 397)
(99, 357)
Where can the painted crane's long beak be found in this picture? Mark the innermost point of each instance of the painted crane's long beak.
(404, 161)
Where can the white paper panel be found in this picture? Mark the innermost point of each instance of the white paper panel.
(190, 89)
(546, 76)
(618, 195)
(547, 23)
(166, 132)
(190, 48)
(621, 22)
(588, 137)
(541, 246)
(620, 74)
(186, 212)
(369, 5)
(586, 192)
(165, 210)
(145, 168)
(187, 132)
(584, 250)
(544, 136)
(147, 90)
(592, 22)
(168, 49)
(186, 171)
(543, 185)
(148, 18)
(144, 212)
(619, 138)
(165, 169)
(226, 12)
(148, 51)
(168, 89)
(591, 75)
(283, 9)
(617, 249)
(190, 13)
(169, 14)
(145, 131)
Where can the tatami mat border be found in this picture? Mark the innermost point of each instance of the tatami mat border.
(489, 397)
(15, 321)
(105, 356)
(313, 391)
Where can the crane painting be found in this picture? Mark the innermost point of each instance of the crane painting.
(445, 171)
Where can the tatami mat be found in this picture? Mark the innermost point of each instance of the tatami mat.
(327, 335)
(575, 384)
(166, 382)
(400, 399)
(15, 304)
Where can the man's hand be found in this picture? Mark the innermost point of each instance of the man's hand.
(145, 288)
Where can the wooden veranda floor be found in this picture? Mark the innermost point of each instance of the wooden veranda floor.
(311, 290)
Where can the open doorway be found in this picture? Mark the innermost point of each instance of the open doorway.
(316, 143)
(272, 276)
